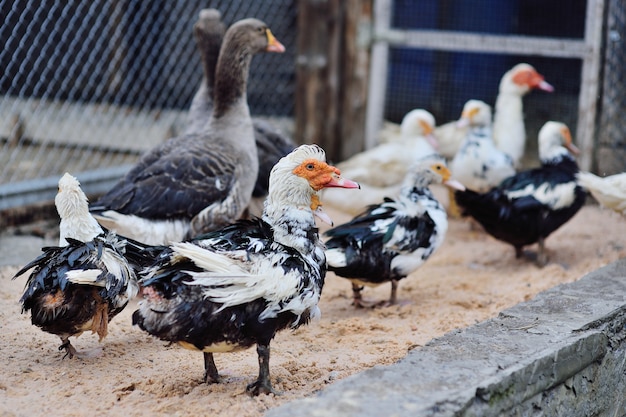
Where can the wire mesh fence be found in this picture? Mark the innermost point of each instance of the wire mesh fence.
(87, 87)
(443, 91)
(447, 79)
(441, 81)
(91, 85)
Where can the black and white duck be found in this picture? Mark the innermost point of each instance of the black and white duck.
(235, 287)
(84, 282)
(478, 164)
(392, 239)
(528, 206)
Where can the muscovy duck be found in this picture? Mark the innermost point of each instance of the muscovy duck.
(528, 206)
(391, 239)
(235, 287)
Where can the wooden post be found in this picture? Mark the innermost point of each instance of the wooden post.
(590, 83)
(316, 69)
(610, 156)
(355, 64)
(378, 75)
(332, 75)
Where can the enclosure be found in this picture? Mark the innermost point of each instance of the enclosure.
(87, 87)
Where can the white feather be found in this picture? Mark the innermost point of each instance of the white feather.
(336, 258)
(209, 260)
(557, 197)
(228, 281)
(150, 232)
(85, 277)
(274, 286)
(608, 191)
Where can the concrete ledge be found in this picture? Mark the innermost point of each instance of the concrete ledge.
(561, 354)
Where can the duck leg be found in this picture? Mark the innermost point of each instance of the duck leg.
(357, 297)
(69, 349)
(454, 210)
(262, 385)
(542, 256)
(393, 299)
(358, 301)
(211, 376)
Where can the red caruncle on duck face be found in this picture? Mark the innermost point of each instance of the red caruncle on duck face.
(320, 175)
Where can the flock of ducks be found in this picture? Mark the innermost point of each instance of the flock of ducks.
(216, 274)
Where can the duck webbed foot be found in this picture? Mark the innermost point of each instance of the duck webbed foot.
(262, 385)
(67, 346)
(357, 298)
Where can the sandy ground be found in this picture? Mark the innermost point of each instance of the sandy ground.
(471, 278)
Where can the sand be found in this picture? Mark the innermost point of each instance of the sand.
(471, 278)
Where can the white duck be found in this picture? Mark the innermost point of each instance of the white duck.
(509, 131)
(392, 239)
(609, 191)
(381, 169)
(201, 181)
(85, 281)
(236, 287)
(478, 164)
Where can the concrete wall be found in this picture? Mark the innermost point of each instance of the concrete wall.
(560, 354)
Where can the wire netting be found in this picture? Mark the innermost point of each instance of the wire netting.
(87, 85)
(91, 84)
(442, 81)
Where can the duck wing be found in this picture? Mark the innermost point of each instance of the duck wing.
(98, 263)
